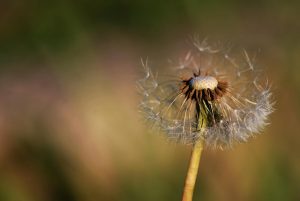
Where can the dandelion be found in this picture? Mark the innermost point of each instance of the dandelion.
(210, 99)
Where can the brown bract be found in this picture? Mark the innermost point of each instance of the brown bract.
(206, 94)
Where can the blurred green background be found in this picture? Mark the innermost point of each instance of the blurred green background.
(69, 125)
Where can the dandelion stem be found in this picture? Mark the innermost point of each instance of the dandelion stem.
(202, 118)
(192, 171)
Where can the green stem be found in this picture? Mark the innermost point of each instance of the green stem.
(202, 117)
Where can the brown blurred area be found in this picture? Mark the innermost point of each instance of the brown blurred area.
(69, 125)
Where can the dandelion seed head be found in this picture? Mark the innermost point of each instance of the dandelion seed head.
(227, 90)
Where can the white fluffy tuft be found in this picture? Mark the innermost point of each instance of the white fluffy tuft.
(244, 110)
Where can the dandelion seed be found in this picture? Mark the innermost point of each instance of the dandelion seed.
(228, 90)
